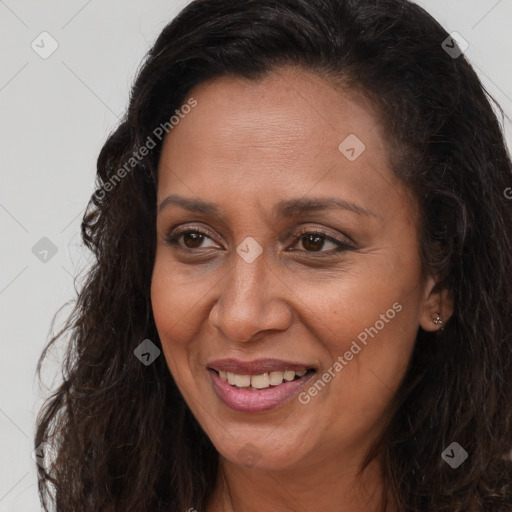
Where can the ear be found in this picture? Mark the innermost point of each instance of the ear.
(437, 306)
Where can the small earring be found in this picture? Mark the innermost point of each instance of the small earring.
(437, 318)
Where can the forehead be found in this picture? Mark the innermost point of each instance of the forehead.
(285, 134)
(285, 108)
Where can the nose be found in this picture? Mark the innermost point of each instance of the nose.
(251, 301)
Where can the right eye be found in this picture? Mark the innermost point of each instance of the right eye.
(192, 239)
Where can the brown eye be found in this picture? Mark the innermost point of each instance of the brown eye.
(314, 241)
(192, 239)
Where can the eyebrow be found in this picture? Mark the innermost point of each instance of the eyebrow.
(287, 208)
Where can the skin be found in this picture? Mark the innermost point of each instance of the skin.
(246, 146)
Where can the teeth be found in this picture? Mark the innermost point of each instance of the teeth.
(243, 381)
(276, 378)
(289, 375)
(261, 381)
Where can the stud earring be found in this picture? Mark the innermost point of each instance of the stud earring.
(437, 319)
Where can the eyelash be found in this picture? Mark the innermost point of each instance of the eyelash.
(173, 238)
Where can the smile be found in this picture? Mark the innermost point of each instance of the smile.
(257, 386)
(261, 381)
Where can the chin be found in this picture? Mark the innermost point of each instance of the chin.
(261, 450)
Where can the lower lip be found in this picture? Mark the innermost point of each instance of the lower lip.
(243, 400)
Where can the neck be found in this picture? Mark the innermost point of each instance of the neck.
(328, 485)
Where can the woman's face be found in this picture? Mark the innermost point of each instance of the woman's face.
(295, 250)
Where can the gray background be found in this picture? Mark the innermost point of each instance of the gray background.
(56, 114)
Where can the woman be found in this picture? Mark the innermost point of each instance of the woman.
(301, 295)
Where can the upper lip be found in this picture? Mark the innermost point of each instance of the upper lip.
(256, 366)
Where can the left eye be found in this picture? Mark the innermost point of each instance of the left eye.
(314, 241)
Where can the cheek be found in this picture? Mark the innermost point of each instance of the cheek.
(356, 305)
(173, 306)
(176, 297)
(367, 323)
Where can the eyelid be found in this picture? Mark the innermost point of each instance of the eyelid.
(174, 232)
(328, 235)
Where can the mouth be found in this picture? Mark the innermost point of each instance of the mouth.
(260, 381)
(257, 386)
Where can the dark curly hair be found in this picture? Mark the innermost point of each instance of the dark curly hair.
(123, 436)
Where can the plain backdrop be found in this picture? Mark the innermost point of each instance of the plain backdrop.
(55, 115)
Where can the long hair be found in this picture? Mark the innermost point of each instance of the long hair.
(123, 436)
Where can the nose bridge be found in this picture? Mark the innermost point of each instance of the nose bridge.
(247, 283)
(248, 300)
